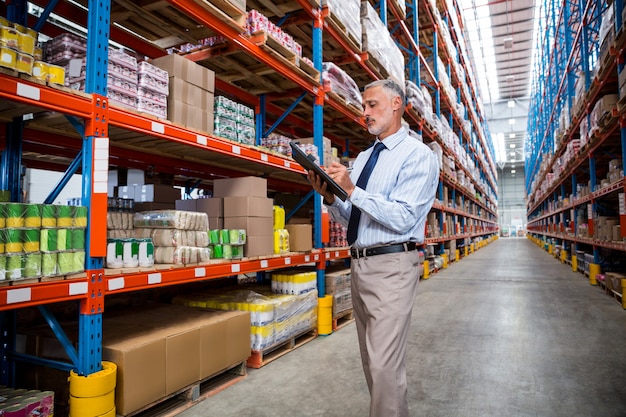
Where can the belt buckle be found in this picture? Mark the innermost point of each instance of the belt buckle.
(357, 254)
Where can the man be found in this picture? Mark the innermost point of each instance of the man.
(385, 216)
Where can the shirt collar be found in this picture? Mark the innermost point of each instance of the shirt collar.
(393, 140)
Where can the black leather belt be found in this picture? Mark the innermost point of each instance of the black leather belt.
(381, 250)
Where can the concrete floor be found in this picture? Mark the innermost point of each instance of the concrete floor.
(507, 331)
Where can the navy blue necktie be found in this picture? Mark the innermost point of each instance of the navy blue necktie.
(355, 214)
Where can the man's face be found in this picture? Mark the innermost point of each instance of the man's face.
(377, 111)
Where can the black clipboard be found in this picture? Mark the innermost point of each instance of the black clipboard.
(308, 163)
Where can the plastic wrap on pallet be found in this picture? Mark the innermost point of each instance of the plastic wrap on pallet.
(347, 12)
(181, 255)
(174, 237)
(338, 81)
(380, 44)
(176, 219)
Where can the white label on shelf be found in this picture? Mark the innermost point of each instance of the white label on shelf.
(28, 91)
(78, 288)
(337, 254)
(154, 278)
(237, 150)
(316, 257)
(158, 127)
(287, 261)
(589, 212)
(235, 268)
(116, 284)
(327, 255)
(18, 296)
(622, 203)
(199, 272)
(202, 140)
(287, 164)
(264, 157)
(100, 165)
(307, 258)
(264, 263)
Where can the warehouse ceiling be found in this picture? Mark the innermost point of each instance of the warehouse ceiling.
(500, 37)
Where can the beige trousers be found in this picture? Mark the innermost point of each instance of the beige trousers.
(383, 292)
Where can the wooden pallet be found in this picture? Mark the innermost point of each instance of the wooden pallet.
(350, 106)
(187, 397)
(260, 358)
(342, 320)
(335, 23)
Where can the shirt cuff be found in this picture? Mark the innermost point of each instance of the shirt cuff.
(358, 195)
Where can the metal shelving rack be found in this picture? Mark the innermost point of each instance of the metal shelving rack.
(90, 131)
(565, 188)
(431, 17)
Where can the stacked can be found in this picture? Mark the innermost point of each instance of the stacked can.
(227, 243)
(33, 245)
(18, 47)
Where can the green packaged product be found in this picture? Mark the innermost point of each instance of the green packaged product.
(31, 240)
(65, 216)
(15, 266)
(49, 264)
(214, 237)
(78, 238)
(65, 262)
(224, 236)
(3, 267)
(218, 251)
(32, 265)
(49, 215)
(48, 240)
(80, 216)
(79, 260)
(3, 215)
(227, 251)
(64, 241)
(15, 214)
(32, 215)
(14, 240)
(3, 239)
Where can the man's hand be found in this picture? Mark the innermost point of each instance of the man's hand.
(321, 187)
(340, 174)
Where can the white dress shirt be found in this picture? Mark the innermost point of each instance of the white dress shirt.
(398, 196)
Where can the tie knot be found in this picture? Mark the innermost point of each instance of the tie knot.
(378, 147)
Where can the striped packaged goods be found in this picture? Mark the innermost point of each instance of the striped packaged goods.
(49, 215)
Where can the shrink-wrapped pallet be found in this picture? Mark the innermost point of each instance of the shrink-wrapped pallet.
(336, 80)
(346, 12)
(378, 43)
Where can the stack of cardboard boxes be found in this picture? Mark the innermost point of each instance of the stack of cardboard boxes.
(247, 207)
(213, 207)
(191, 92)
(146, 196)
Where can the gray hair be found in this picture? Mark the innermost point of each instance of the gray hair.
(391, 87)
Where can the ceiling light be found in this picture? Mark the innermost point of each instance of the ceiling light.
(512, 145)
(511, 103)
(512, 153)
(508, 43)
(511, 136)
(511, 121)
(512, 171)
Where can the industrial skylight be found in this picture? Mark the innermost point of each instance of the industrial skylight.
(478, 27)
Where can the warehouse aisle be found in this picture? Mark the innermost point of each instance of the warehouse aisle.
(508, 331)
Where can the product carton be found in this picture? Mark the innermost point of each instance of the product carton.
(156, 193)
(240, 187)
(259, 246)
(248, 207)
(213, 207)
(254, 226)
(181, 67)
(300, 237)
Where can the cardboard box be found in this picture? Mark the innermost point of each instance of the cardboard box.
(190, 116)
(125, 191)
(186, 205)
(240, 187)
(182, 358)
(156, 193)
(181, 67)
(248, 207)
(326, 148)
(216, 223)
(154, 206)
(259, 246)
(300, 237)
(141, 371)
(213, 207)
(254, 226)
